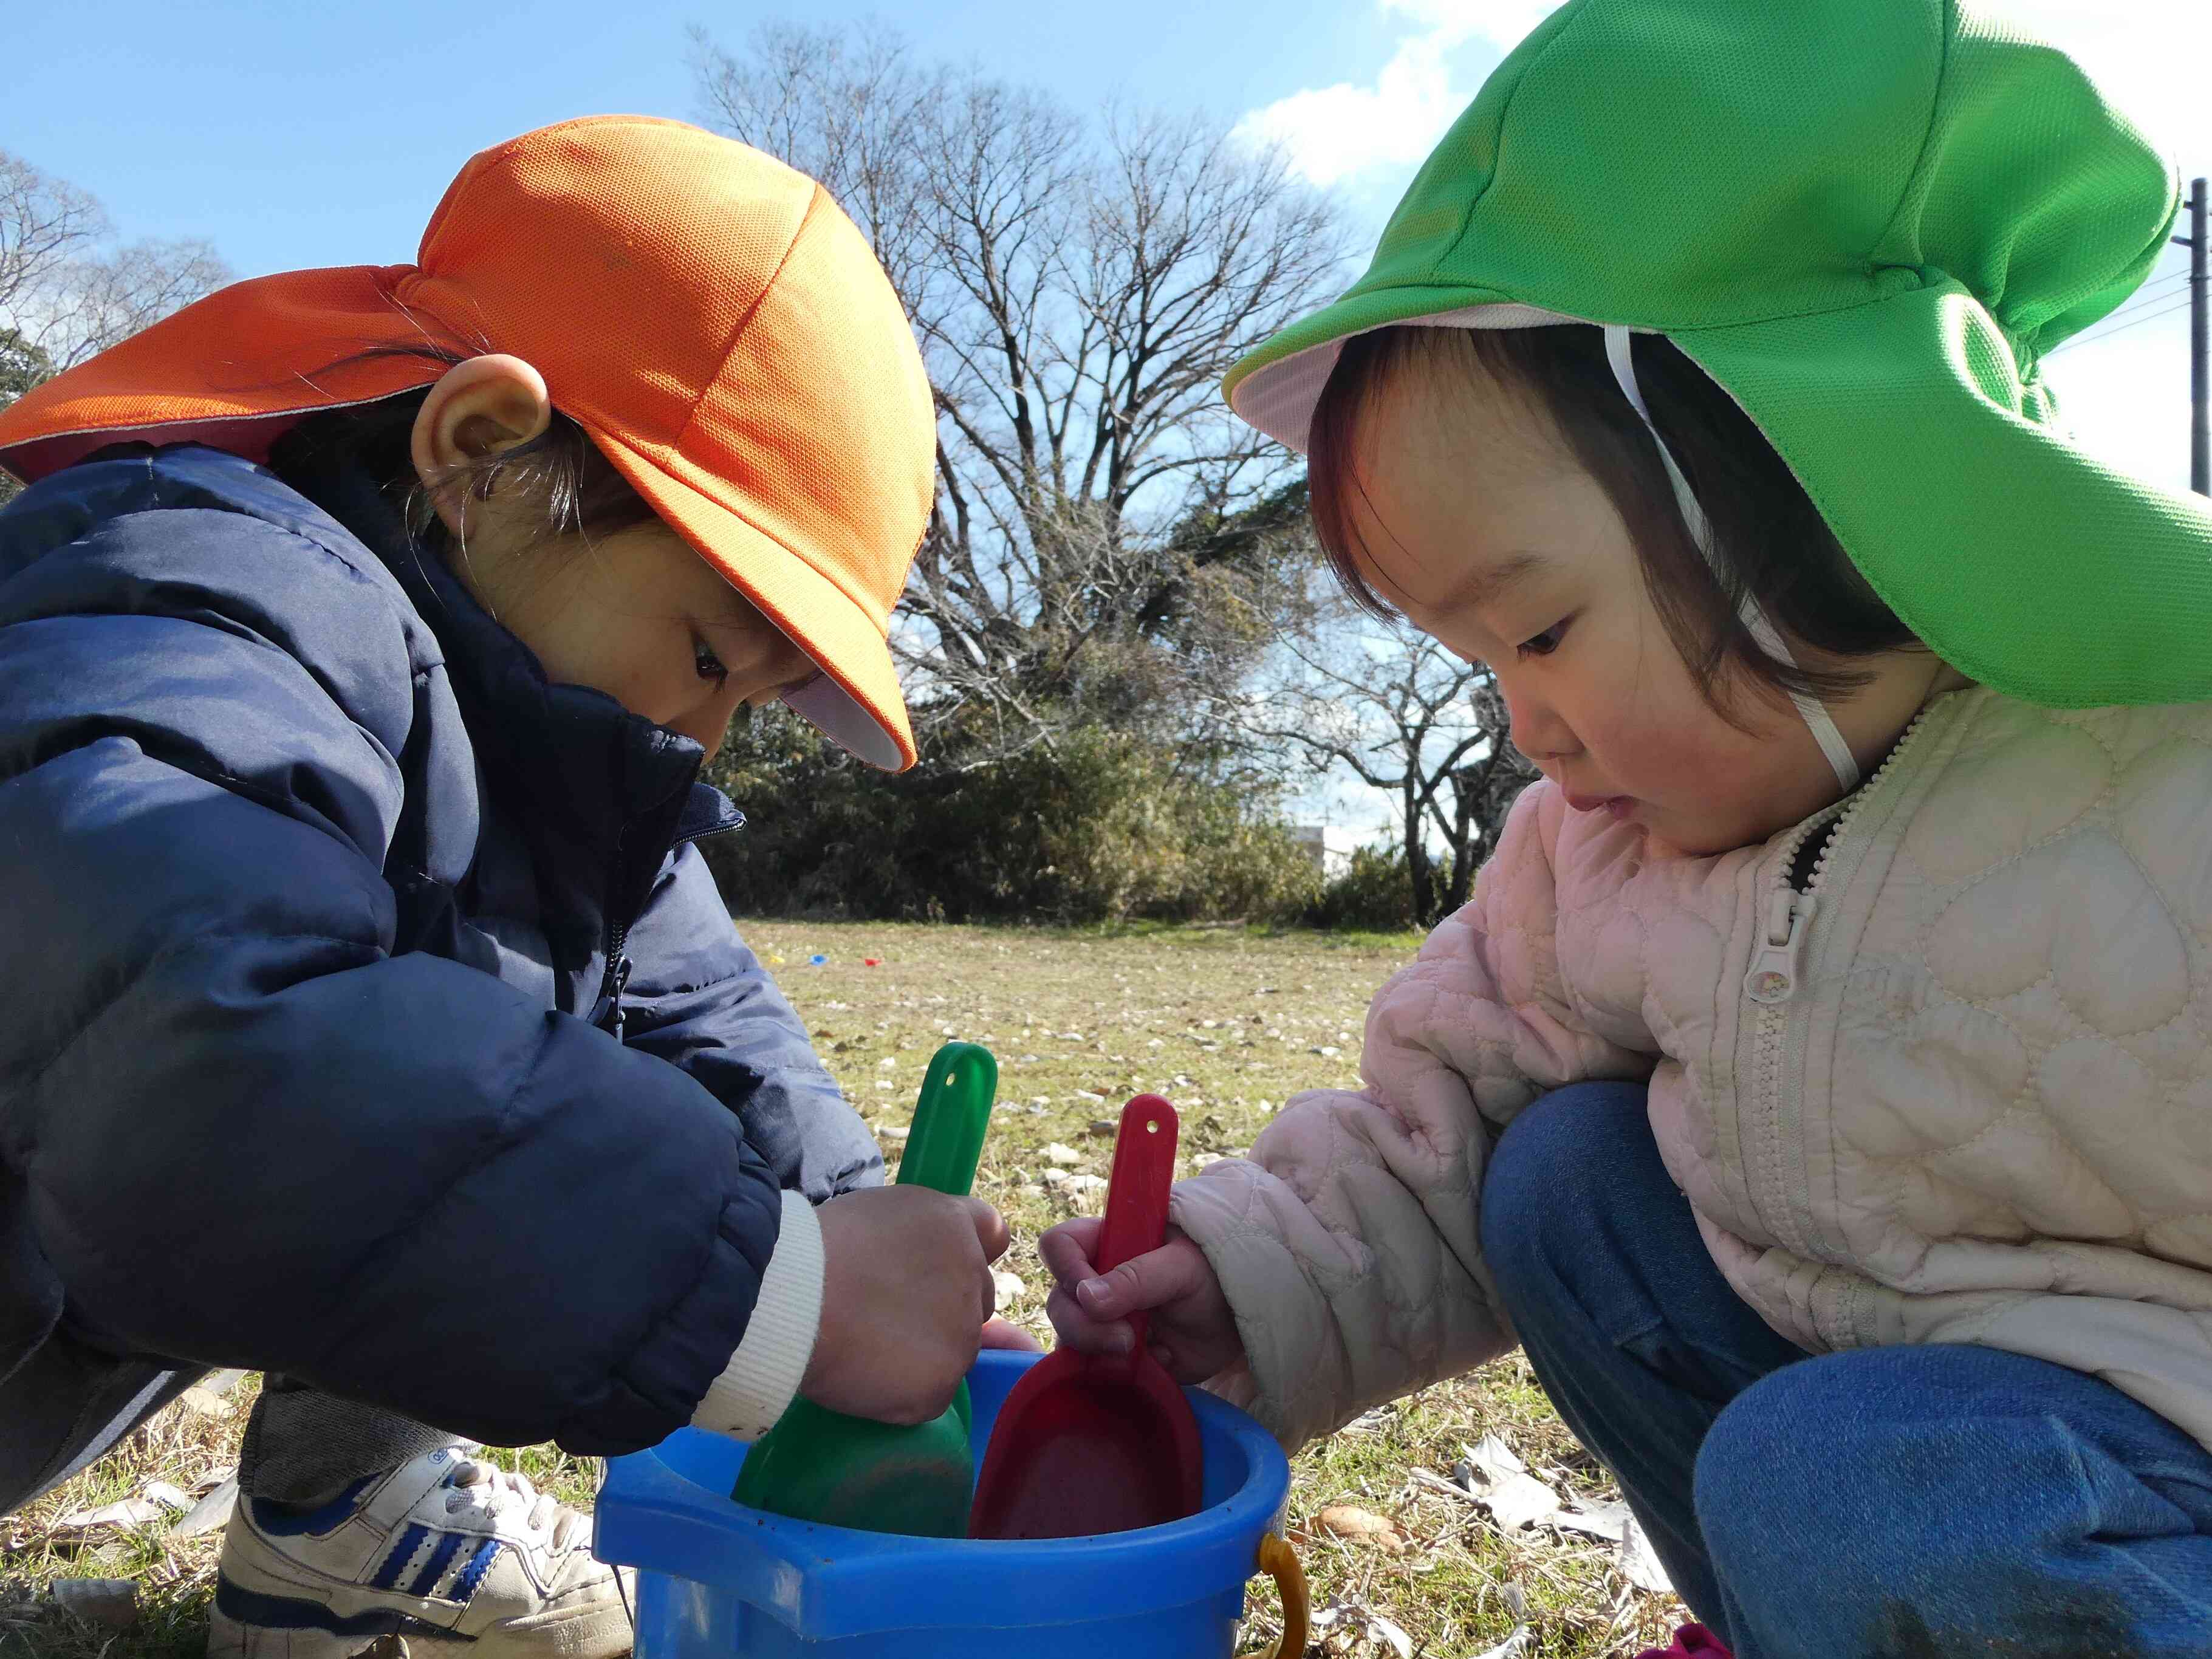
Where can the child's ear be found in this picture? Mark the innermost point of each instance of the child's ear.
(476, 410)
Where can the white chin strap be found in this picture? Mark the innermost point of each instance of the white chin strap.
(1816, 716)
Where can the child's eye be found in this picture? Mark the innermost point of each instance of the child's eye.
(1543, 644)
(709, 666)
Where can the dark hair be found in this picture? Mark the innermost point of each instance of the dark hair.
(1769, 540)
(578, 487)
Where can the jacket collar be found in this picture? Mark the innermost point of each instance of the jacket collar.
(614, 781)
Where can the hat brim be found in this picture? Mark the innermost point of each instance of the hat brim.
(1276, 387)
(2021, 560)
(2024, 562)
(856, 701)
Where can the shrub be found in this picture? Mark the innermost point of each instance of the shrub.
(1376, 894)
(1102, 826)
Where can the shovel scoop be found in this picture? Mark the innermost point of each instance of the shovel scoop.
(1089, 1443)
(822, 1466)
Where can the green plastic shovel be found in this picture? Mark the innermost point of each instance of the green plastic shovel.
(819, 1465)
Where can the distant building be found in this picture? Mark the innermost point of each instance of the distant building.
(1329, 846)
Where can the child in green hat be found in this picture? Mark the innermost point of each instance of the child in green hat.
(1819, 1085)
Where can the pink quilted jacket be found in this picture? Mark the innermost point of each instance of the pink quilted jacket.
(1958, 1089)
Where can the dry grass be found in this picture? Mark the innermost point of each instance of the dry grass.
(1224, 1023)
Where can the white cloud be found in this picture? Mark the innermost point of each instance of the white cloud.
(1338, 132)
(2150, 56)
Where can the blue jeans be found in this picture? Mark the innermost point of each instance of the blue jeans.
(1914, 1501)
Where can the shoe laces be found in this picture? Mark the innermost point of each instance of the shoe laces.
(501, 1493)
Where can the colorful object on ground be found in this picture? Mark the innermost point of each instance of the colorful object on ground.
(872, 962)
(1090, 1444)
(817, 960)
(716, 1581)
(1691, 1642)
(820, 1465)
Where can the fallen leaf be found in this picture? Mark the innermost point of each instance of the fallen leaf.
(212, 1510)
(1350, 1615)
(1639, 1562)
(1401, 1643)
(1608, 1521)
(1348, 1521)
(112, 1603)
(131, 1512)
(1512, 1647)
(1502, 1484)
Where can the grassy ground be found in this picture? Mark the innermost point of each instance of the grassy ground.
(1224, 1023)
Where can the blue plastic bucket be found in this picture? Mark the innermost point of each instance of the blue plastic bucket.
(715, 1580)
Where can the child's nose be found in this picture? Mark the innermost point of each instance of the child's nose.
(1536, 730)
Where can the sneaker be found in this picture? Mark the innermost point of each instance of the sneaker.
(1691, 1642)
(450, 1553)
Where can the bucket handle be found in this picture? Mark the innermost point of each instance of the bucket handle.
(1281, 1562)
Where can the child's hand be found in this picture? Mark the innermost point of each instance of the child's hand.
(906, 1290)
(1191, 1330)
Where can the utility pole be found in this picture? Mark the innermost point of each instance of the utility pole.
(2200, 347)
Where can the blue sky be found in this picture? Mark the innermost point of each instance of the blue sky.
(300, 132)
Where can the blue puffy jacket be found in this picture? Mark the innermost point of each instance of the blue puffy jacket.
(368, 1015)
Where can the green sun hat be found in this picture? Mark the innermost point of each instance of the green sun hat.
(1869, 220)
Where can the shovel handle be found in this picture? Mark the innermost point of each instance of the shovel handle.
(1137, 1186)
(952, 1116)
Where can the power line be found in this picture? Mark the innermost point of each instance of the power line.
(2142, 296)
(2175, 309)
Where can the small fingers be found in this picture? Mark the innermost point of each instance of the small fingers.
(990, 1229)
(1078, 1330)
(1003, 1333)
(1144, 1282)
(1066, 1250)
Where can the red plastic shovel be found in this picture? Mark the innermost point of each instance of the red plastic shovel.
(1090, 1444)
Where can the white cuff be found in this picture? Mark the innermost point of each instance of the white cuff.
(757, 1385)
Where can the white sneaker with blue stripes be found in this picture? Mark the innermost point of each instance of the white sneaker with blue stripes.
(454, 1555)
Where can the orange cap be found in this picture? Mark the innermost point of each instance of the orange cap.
(710, 317)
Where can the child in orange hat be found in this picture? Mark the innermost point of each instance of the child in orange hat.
(376, 1024)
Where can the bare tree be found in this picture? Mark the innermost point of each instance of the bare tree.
(1078, 290)
(1382, 701)
(63, 290)
(66, 295)
(46, 224)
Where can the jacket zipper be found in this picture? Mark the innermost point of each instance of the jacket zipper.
(1777, 971)
(607, 1010)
